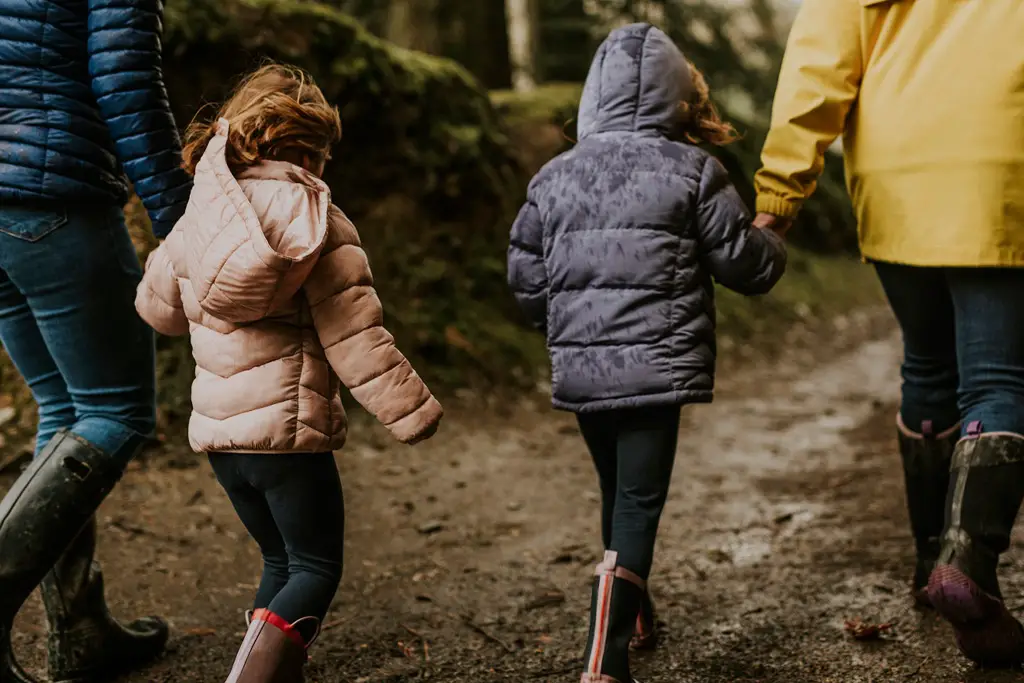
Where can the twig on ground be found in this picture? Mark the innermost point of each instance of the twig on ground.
(468, 621)
(413, 631)
(423, 640)
(917, 670)
(124, 526)
(336, 623)
(426, 649)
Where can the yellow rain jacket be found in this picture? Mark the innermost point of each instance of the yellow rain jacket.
(929, 95)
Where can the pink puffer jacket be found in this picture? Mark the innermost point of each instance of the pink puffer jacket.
(270, 280)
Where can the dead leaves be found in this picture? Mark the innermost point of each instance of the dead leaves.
(862, 630)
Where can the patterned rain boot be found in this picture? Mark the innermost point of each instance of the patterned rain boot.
(984, 497)
(926, 460)
(273, 651)
(617, 597)
(645, 635)
(86, 643)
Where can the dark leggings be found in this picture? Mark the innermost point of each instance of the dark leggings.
(634, 451)
(292, 506)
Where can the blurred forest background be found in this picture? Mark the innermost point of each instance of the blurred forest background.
(449, 106)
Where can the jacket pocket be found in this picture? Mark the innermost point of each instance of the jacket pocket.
(31, 225)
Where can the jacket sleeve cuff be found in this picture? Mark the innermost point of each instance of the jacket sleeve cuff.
(777, 206)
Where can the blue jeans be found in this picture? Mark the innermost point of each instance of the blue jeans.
(963, 336)
(68, 322)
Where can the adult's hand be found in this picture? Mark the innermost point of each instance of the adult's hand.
(777, 224)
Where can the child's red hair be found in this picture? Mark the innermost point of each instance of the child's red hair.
(276, 112)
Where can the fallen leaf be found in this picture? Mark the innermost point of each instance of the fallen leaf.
(861, 630)
(200, 631)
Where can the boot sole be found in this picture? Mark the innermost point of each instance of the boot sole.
(985, 631)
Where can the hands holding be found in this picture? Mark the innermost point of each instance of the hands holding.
(777, 224)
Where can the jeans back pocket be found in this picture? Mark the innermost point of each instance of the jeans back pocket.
(31, 225)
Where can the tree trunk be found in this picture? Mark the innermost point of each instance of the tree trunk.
(475, 34)
(566, 40)
(521, 16)
(413, 24)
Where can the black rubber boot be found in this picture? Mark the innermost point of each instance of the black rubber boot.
(40, 516)
(617, 597)
(985, 495)
(926, 461)
(86, 643)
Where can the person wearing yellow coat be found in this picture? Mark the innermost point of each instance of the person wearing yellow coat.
(929, 98)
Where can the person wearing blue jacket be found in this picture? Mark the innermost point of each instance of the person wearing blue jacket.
(615, 254)
(83, 112)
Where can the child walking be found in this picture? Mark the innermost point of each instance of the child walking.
(269, 279)
(614, 255)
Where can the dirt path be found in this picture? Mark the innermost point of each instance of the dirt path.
(469, 557)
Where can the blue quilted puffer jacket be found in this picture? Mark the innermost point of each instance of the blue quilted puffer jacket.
(83, 105)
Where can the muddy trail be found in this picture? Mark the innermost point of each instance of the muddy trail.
(469, 557)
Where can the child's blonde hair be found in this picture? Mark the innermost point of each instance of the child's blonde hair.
(276, 112)
(699, 121)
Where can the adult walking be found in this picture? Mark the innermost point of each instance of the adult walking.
(930, 99)
(82, 103)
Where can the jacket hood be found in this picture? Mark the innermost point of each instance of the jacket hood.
(635, 83)
(252, 240)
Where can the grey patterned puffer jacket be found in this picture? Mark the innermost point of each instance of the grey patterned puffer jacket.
(614, 252)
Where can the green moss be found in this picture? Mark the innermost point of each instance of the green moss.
(551, 103)
(424, 169)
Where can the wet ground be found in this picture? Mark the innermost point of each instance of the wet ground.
(469, 557)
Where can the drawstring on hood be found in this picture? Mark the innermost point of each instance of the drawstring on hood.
(636, 83)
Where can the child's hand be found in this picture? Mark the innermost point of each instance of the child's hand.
(426, 434)
(777, 224)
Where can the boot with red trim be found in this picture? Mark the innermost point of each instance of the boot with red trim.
(985, 494)
(645, 635)
(273, 651)
(617, 598)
